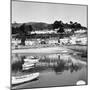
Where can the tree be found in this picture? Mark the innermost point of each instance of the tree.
(56, 25)
(61, 30)
(73, 26)
(71, 22)
(13, 30)
(24, 31)
(60, 26)
(28, 29)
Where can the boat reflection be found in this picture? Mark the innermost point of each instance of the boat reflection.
(57, 62)
(60, 63)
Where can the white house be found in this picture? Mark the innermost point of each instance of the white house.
(80, 39)
(53, 41)
(73, 40)
(64, 40)
(29, 42)
(43, 32)
(15, 41)
(80, 31)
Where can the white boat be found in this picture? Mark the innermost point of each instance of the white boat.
(80, 82)
(24, 78)
(31, 59)
(29, 63)
(27, 66)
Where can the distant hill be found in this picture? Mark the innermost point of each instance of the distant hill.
(43, 26)
(26, 29)
(35, 25)
(16, 25)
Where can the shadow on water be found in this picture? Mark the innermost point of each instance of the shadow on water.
(62, 67)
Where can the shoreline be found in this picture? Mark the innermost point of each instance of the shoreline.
(55, 49)
(43, 50)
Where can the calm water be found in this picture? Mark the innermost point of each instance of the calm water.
(54, 69)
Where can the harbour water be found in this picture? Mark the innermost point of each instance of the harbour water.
(54, 69)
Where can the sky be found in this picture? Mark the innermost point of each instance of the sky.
(48, 12)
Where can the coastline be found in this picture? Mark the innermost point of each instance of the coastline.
(43, 50)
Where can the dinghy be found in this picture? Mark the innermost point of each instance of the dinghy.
(24, 78)
(27, 66)
(31, 59)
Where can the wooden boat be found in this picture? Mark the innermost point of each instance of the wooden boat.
(24, 78)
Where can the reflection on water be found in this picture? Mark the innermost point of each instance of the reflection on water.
(55, 65)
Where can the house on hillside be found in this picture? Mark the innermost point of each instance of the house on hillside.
(64, 41)
(44, 32)
(15, 43)
(81, 31)
(29, 42)
(52, 41)
(67, 30)
(78, 39)
(32, 42)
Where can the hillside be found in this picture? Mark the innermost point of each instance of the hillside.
(35, 25)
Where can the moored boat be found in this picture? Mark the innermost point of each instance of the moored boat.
(27, 66)
(24, 78)
(31, 59)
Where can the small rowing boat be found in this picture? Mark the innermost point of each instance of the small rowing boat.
(24, 78)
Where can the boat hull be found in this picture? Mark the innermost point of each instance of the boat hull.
(25, 78)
